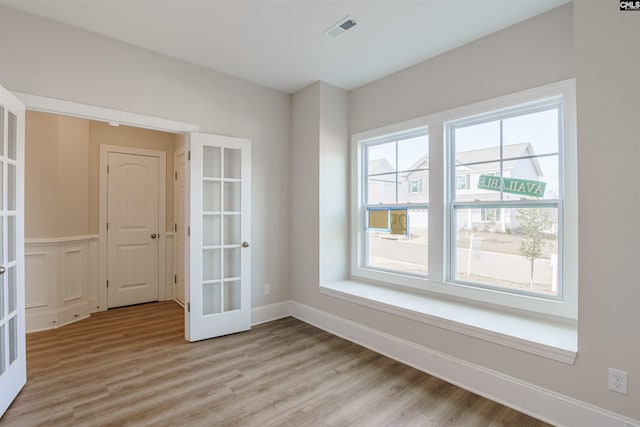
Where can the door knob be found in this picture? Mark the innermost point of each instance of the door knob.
(153, 236)
(245, 244)
(2, 269)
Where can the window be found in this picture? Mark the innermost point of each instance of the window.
(489, 215)
(463, 182)
(415, 186)
(518, 250)
(505, 225)
(395, 232)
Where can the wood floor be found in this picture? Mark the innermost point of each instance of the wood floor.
(131, 366)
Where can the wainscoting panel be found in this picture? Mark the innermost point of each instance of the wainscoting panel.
(73, 273)
(38, 266)
(60, 280)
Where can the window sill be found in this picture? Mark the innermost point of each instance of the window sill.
(556, 341)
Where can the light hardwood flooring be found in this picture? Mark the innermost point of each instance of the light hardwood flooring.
(131, 366)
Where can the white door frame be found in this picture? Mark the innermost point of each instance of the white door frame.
(176, 155)
(162, 216)
(85, 111)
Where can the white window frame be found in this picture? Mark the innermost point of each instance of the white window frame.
(439, 209)
(359, 215)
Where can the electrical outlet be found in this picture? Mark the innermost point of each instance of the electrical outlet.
(267, 289)
(617, 381)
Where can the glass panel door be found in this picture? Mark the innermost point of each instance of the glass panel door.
(12, 322)
(219, 253)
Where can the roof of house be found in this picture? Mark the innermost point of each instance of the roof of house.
(492, 154)
(486, 159)
(380, 166)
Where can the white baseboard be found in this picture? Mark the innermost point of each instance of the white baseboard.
(547, 405)
(267, 313)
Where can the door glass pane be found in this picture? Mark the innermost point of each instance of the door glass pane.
(211, 196)
(3, 365)
(2, 286)
(211, 230)
(11, 187)
(231, 263)
(11, 243)
(13, 339)
(211, 264)
(232, 163)
(232, 196)
(2, 256)
(232, 229)
(2, 186)
(211, 162)
(211, 298)
(232, 295)
(13, 136)
(1, 131)
(12, 289)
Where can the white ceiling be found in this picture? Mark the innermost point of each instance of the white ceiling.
(280, 43)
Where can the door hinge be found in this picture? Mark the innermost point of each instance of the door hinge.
(107, 226)
(189, 307)
(107, 283)
(175, 227)
(189, 155)
(175, 278)
(188, 231)
(107, 168)
(176, 175)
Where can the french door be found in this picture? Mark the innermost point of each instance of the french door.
(218, 279)
(13, 371)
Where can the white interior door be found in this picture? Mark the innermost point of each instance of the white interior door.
(13, 368)
(179, 215)
(133, 229)
(218, 255)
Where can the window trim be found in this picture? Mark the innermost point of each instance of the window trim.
(439, 246)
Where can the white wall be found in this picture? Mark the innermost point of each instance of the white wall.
(305, 187)
(45, 58)
(319, 198)
(536, 52)
(607, 62)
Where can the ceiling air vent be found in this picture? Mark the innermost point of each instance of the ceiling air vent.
(345, 24)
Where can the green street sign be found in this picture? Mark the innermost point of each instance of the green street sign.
(524, 187)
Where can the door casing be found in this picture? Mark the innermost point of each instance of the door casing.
(179, 189)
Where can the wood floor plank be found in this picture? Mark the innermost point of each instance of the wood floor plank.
(132, 366)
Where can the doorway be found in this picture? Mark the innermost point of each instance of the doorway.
(64, 223)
